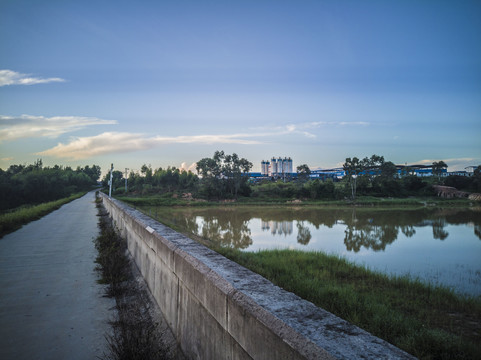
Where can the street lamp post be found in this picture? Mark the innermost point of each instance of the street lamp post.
(110, 182)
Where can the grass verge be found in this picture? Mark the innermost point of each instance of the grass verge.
(362, 201)
(13, 220)
(135, 334)
(427, 322)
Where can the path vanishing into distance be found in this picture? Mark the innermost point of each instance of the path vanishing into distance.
(51, 306)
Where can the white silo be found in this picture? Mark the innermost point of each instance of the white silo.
(273, 166)
(289, 166)
(263, 167)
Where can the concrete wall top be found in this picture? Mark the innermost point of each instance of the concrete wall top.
(296, 319)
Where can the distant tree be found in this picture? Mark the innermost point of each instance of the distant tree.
(208, 168)
(117, 179)
(438, 167)
(375, 161)
(93, 172)
(36, 183)
(303, 172)
(353, 167)
(372, 166)
(147, 172)
(477, 171)
(223, 174)
(476, 185)
(388, 170)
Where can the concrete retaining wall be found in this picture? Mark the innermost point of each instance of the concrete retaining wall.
(217, 309)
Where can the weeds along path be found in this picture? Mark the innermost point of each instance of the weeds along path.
(51, 306)
(138, 331)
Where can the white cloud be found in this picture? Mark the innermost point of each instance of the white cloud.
(116, 142)
(336, 123)
(185, 167)
(301, 128)
(9, 77)
(121, 142)
(28, 126)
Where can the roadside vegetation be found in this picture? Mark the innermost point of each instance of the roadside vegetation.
(135, 334)
(35, 184)
(426, 321)
(13, 220)
(29, 192)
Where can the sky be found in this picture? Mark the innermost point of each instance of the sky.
(168, 83)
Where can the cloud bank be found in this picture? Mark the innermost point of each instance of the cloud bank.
(120, 142)
(28, 126)
(9, 77)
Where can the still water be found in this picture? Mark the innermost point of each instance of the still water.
(441, 246)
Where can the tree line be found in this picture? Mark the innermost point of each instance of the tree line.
(35, 183)
(225, 176)
(222, 176)
(149, 181)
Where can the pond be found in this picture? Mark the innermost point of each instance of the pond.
(440, 246)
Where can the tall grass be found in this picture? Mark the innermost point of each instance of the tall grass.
(428, 322)
(13, 220)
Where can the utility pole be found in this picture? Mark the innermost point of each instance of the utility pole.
(110, 182)
(126, 170)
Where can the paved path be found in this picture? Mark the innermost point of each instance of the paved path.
(50, 304)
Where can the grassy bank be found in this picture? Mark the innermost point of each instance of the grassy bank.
(13, 220)
(171, 199)
(428, 322)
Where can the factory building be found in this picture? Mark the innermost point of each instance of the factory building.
(276, 167)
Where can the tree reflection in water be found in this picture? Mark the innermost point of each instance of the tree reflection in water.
(369, 228)
(227, 229)
(438, 229)
(366, 233)
(303, 233)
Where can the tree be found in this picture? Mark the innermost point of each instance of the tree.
(353, 167)
(147, 172)
(93, 172)
(388, 170)
(208, 167)
(372, 165)
(438, 167)
(223, 174)
(477, 171)
(117, 179)
(303, 172)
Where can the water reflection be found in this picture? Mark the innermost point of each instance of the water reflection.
(278, 227)
(363, 228)
(303, 233)
(229, 230)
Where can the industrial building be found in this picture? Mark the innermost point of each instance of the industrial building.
(282, 168)
(277, 167)
(402, 170)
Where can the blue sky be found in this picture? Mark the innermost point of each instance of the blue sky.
(170, 82)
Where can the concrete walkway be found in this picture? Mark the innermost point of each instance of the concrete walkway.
(50, 304)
